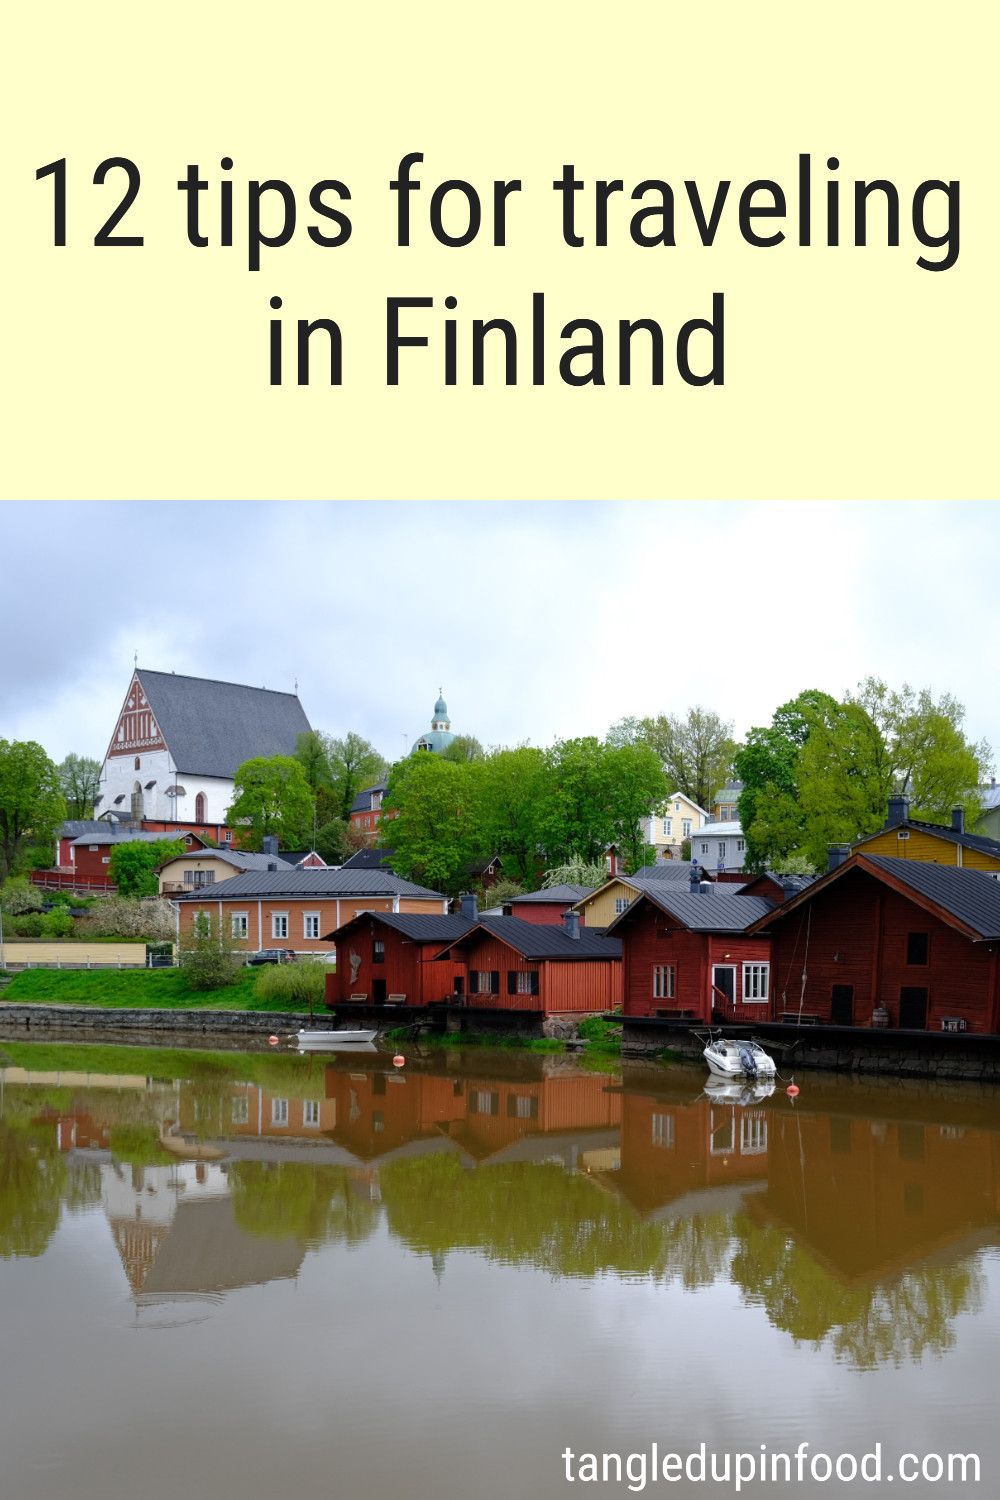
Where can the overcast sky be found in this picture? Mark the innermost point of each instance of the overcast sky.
(537, 620)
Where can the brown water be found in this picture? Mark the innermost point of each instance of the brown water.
(263, 1276)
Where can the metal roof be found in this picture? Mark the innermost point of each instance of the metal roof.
(717, 910)
(534, 940)
(303, 884)
(211, 728)
(370, 859)
(968, 895)
(108, 834)
(240, 859)
(562, 895)
(429, 928)
(363, 800)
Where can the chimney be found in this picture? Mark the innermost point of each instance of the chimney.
(571, 922)
(470, 906)
(958, 819)
(899, 811)
(695, 879)
(836, 854)
(269, 844)
(612, 860)
(272, 866)
(706, 887)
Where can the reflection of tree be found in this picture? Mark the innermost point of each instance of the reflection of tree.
(83, 1186)
(867, 1325)
(32, 1174)
(524, 1213)
(313, 1204)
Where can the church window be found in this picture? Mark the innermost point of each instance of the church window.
(138, 812)
(199, 808)
(137, 762)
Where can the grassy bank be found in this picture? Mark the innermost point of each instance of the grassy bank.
(159, 989)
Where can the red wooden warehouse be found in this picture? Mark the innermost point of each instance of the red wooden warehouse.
(538, 968)
(547, 906)
(687, 954)
(880, 941)
(387, 957)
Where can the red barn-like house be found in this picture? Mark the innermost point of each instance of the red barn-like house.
(383, 954)
(687, 954)
(538, 968)
(547, 906)
(880, 941)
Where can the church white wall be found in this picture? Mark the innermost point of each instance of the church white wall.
(119, 776)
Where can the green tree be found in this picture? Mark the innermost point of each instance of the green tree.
(595, 796)
(133, 864)
(576, 872)
(769, 765)
(352, 763)
(926, 755)
(333, 841)
(271, 796)
(463, 747)
(31, 800)
(696, 751)
(440, 827)
(80, 779)
(210, 959)
(512, 784)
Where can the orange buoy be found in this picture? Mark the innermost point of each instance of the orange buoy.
(792, 1090)
(273, 1040)
(398, 1060)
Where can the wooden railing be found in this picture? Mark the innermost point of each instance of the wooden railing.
(66, 880)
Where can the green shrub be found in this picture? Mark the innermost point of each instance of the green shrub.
(57, 924)
(210, 963)
(18, 896)
(298, 983)
(30, 926)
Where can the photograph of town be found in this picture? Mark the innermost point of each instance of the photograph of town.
(498, 999)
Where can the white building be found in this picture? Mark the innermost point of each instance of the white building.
(179, 742)
(719, 846)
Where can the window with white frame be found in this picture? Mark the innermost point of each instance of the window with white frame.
(310, 924)
(662, 1131)
(667, 825)
(756, 978)
(239, 923)
(704, 848)
(722, 1134)
(686, 827)
(227, 835)
(524, 981)
(197, 878)
(621, 904)
(310, 1113)
(279, 1111)
(722, 848)
(279, 924)
(664, 981)
(740, 846)
(241, 1110)
(677, 807)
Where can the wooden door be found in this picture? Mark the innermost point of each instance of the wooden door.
(913, 1008)
(842, 1005)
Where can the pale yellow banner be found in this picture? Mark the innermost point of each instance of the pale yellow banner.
(849, 371)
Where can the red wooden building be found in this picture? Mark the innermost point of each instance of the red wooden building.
(547, 906)
(889, 942)
(687, 954)
(538, 968)
(385, 956)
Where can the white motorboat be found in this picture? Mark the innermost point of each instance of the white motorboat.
(729, 1059)
(741, 1091)
(315, 1036)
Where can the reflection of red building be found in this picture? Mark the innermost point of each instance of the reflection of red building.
(388, 954)
(682, 1156)
(920, 941)
(688, 954)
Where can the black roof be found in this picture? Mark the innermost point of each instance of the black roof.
(303, 884)
(211, 728)
(363, 801)
(970, 897)
(674, 871)
(536, 940)
(75, 828)
(560, 895)
(370, 859)
(717, 910)
(790, 884)
(422, 929)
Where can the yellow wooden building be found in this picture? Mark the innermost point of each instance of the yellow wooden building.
(906, 838)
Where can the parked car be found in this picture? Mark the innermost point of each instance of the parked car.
(272, 956)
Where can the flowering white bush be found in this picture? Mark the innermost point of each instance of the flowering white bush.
(121, 917)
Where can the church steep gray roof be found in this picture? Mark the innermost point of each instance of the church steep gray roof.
(211, 728)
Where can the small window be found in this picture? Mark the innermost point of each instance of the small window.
(664, 982)
(310, 1113)
(279, 924)
(722, 848)
(239, 924)
(522, 981)
(755, 983)
(279, 1111)
(227, 836)
(667, 825)
(241, 1110)
(917, 944)
(621, 904)
(378, 951)
(137, 763)
(93, 848)
(740, 846)
(677, 807)
(310, 924)
(686, 827)
(753, 1135)
(662, 1130)
(704, 848)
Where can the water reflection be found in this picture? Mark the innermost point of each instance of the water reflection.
(854, 1217)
